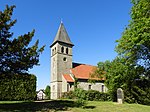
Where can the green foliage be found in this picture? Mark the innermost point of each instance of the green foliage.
(93, 95)
(134, 45)
(47, 92)
(15, 54)
(69, 95)
(75, 82)
(80, 93)
(90, 95)
(119, 75)
(134, 48)
(80, 102)
(17, 87)
(130, 70)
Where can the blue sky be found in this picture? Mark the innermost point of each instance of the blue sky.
(92, 25)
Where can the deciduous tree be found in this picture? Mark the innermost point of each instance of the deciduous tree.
(130, 70)
(47, 91)
(134, 45)
(134, 48)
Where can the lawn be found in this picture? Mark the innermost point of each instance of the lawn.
(96, 106)
(71, 106)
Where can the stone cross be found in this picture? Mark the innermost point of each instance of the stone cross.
(120, 96)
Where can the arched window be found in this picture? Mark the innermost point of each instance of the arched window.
(62, 49)
(53, 52)
(66, 50)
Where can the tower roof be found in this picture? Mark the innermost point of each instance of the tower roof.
(62, 36)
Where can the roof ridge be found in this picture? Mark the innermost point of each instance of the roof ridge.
(83, 65)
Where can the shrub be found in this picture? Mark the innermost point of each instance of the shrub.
(80, 93)
(17, 87)
(97, 96)
(80, 102)
(68, 95)
(90, 95)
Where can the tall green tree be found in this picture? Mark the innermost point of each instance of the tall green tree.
(134, 48)
(16, 56)
(47, 91)
(134, 45)
(130, 70)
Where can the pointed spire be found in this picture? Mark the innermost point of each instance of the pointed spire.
(62, 36)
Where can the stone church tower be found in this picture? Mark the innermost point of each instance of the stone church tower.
(61, 60)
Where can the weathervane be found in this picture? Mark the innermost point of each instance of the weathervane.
(61, 20)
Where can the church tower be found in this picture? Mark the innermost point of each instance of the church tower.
(61, 60)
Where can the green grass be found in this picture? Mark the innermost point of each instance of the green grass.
(69, 105)
(96, 106)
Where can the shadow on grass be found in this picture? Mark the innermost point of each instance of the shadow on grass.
(88, 107)
(54, 105)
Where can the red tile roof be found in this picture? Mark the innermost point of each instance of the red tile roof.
(84, 72)
(68, 78)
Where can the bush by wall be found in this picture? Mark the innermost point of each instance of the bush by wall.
(90, 95)
(69, 95)
(93, 95)
(17, 87)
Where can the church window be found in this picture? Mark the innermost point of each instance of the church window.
(68, 87)
(66, 50)
(64, 59)
(102, 88)
(62, 49)
(89, 87)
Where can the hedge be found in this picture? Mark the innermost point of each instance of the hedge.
(17, 87)
(90, 95)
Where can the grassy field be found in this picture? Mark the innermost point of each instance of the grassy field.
(111, 107)
(70, 106)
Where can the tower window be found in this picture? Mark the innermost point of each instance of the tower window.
(53, 52)
(62, 49)
(55, 49)
(66, 50)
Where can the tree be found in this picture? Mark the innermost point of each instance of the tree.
(15, 54)
(134, 45)
(134, 48)
(47, 91)
(130, 70)
(114, 74)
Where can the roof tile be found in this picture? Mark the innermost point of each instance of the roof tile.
(68, 78)
(84, 72)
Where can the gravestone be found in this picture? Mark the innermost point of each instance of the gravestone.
(120, 96)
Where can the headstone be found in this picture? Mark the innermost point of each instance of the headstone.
(120, 96)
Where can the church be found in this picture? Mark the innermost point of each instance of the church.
(64, 71)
